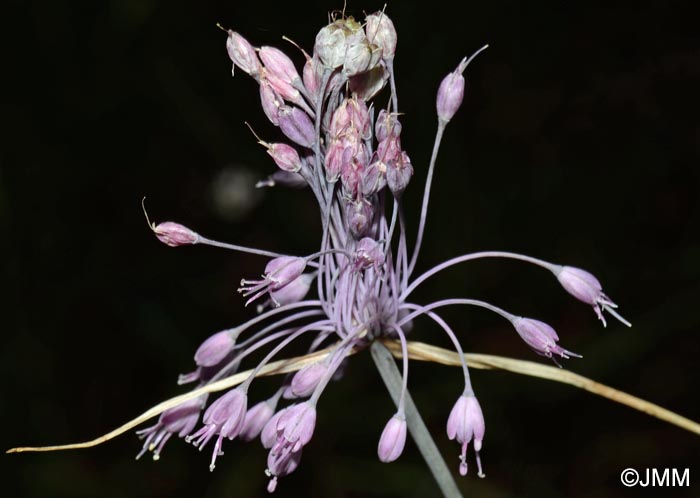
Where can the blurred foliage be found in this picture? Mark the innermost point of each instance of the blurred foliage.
(578, 142)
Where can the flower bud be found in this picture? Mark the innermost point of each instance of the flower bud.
(311, 76)
(255, 420)
(174, 235)
(285, 156)
(393, 439)
(242, 54)
(270, 101)
(297, 126)
(278, 64)
(283, 88)
(451, 93)
(380, 31)
(214, 349)
(305, 380)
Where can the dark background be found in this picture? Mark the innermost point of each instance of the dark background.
(578, 142)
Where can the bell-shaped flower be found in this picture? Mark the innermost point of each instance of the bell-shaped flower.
(466, 422)
(393, 439)
(279, 272)
(180, 420)
(586, 288)
(541, 338)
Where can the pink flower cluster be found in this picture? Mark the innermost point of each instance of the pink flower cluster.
(353, 162)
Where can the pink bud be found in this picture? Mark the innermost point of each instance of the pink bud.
(466, 421)
(270, 101)
(451, 93)
(278, 64)
(285, 156)
(214, 349)
(380, 31)
(305, 380)
(393, 439)
(310, 75)
(297, 126)
(284, 89)
(255, 420)
(174, 235)
(242, 54)
(540, 337)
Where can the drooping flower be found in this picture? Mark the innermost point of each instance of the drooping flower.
(586, 288)
(466, 422)
(393, 439)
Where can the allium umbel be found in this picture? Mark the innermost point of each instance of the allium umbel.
(362, 273)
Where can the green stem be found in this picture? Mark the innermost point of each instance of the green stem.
(392, 378)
